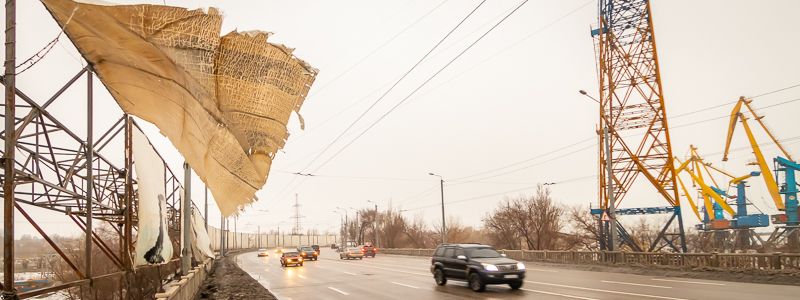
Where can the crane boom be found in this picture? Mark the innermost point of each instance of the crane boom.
(769, 179)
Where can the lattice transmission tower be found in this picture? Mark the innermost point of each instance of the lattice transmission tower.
(633, 127)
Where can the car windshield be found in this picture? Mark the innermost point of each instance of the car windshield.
(262, 249)
(291, 253)
(307, 249)
(483, 253)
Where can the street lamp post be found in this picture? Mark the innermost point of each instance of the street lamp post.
(612, 214)
(375, 223)
(441, 188)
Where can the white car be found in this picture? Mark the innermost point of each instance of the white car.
(263, 252)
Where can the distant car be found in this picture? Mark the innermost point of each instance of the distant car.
(291, 258)
(263, 252)
(308, 253)
(369, 250)
(333, 246)
(478, 264)
(351, 253)
(278, 250)
(316, 248)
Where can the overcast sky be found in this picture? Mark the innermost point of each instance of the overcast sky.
(513, 97)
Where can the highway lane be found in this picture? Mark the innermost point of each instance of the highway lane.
(406, 277)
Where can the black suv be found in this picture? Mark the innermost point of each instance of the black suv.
(478, 264)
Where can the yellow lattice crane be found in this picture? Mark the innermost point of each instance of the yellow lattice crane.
(769, 179)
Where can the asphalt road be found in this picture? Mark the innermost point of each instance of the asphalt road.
(408, 278)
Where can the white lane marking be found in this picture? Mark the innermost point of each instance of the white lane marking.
(339, 291)
(557, 294)
(349, 273)
(393, 270)
(301, 276)
(637, 284)
(542, 270)
(604, 291)
(405, 285)
(685, 281)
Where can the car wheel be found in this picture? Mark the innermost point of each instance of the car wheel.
(515, 285)
(476, 283)
(301, 264)
(438, 275)
(360, 258)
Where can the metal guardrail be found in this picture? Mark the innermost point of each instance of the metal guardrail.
(751, 261)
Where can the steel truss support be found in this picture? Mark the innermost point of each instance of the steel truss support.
(632, 111)
(55, 169)
(787, 236)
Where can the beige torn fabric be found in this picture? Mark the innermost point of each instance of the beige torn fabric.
(223, 101)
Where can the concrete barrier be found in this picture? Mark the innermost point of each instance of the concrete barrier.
(188, 286)
(745, 261)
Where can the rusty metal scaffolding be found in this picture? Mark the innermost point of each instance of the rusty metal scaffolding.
(633, 115)
(47, 165)
(54, 168)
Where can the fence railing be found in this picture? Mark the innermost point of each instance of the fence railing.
(753, 261)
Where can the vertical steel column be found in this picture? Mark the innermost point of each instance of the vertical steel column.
(186, 213)
(89, 172)
(221, 235)
(612, 207)
(205, 211)
(128, 217)
(10, 145)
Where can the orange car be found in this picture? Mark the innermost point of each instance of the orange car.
(291, 258)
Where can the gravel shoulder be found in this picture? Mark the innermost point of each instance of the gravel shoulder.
(228, 281)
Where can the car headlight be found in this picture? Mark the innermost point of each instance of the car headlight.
(489, 267)
(520, 266)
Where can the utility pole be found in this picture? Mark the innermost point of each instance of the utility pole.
(258, 236)
(612, 215)
(358, 231)
(186, 207)
(10, 147)
(441, 188)
(375, 225)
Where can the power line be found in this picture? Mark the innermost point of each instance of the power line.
(387, 42)
(499, 193)
(421, 85)
(361, 116)
(776, 91)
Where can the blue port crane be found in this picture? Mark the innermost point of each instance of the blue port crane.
(788, 218)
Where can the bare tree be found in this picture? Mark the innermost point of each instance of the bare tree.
(585, 231)
(535, 219)
(392, 226)
(500, 227)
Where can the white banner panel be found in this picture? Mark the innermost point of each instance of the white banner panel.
(202, 243)
(153, 245)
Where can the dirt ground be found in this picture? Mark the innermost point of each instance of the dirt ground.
(784, 277)
(228, 281)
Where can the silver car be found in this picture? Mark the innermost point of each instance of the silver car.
(351, 253)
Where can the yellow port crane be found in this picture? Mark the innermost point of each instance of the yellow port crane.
(769, 179)
(694, 167)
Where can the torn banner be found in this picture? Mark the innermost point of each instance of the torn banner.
(201, 242)
(222, 101)
(153, 245)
